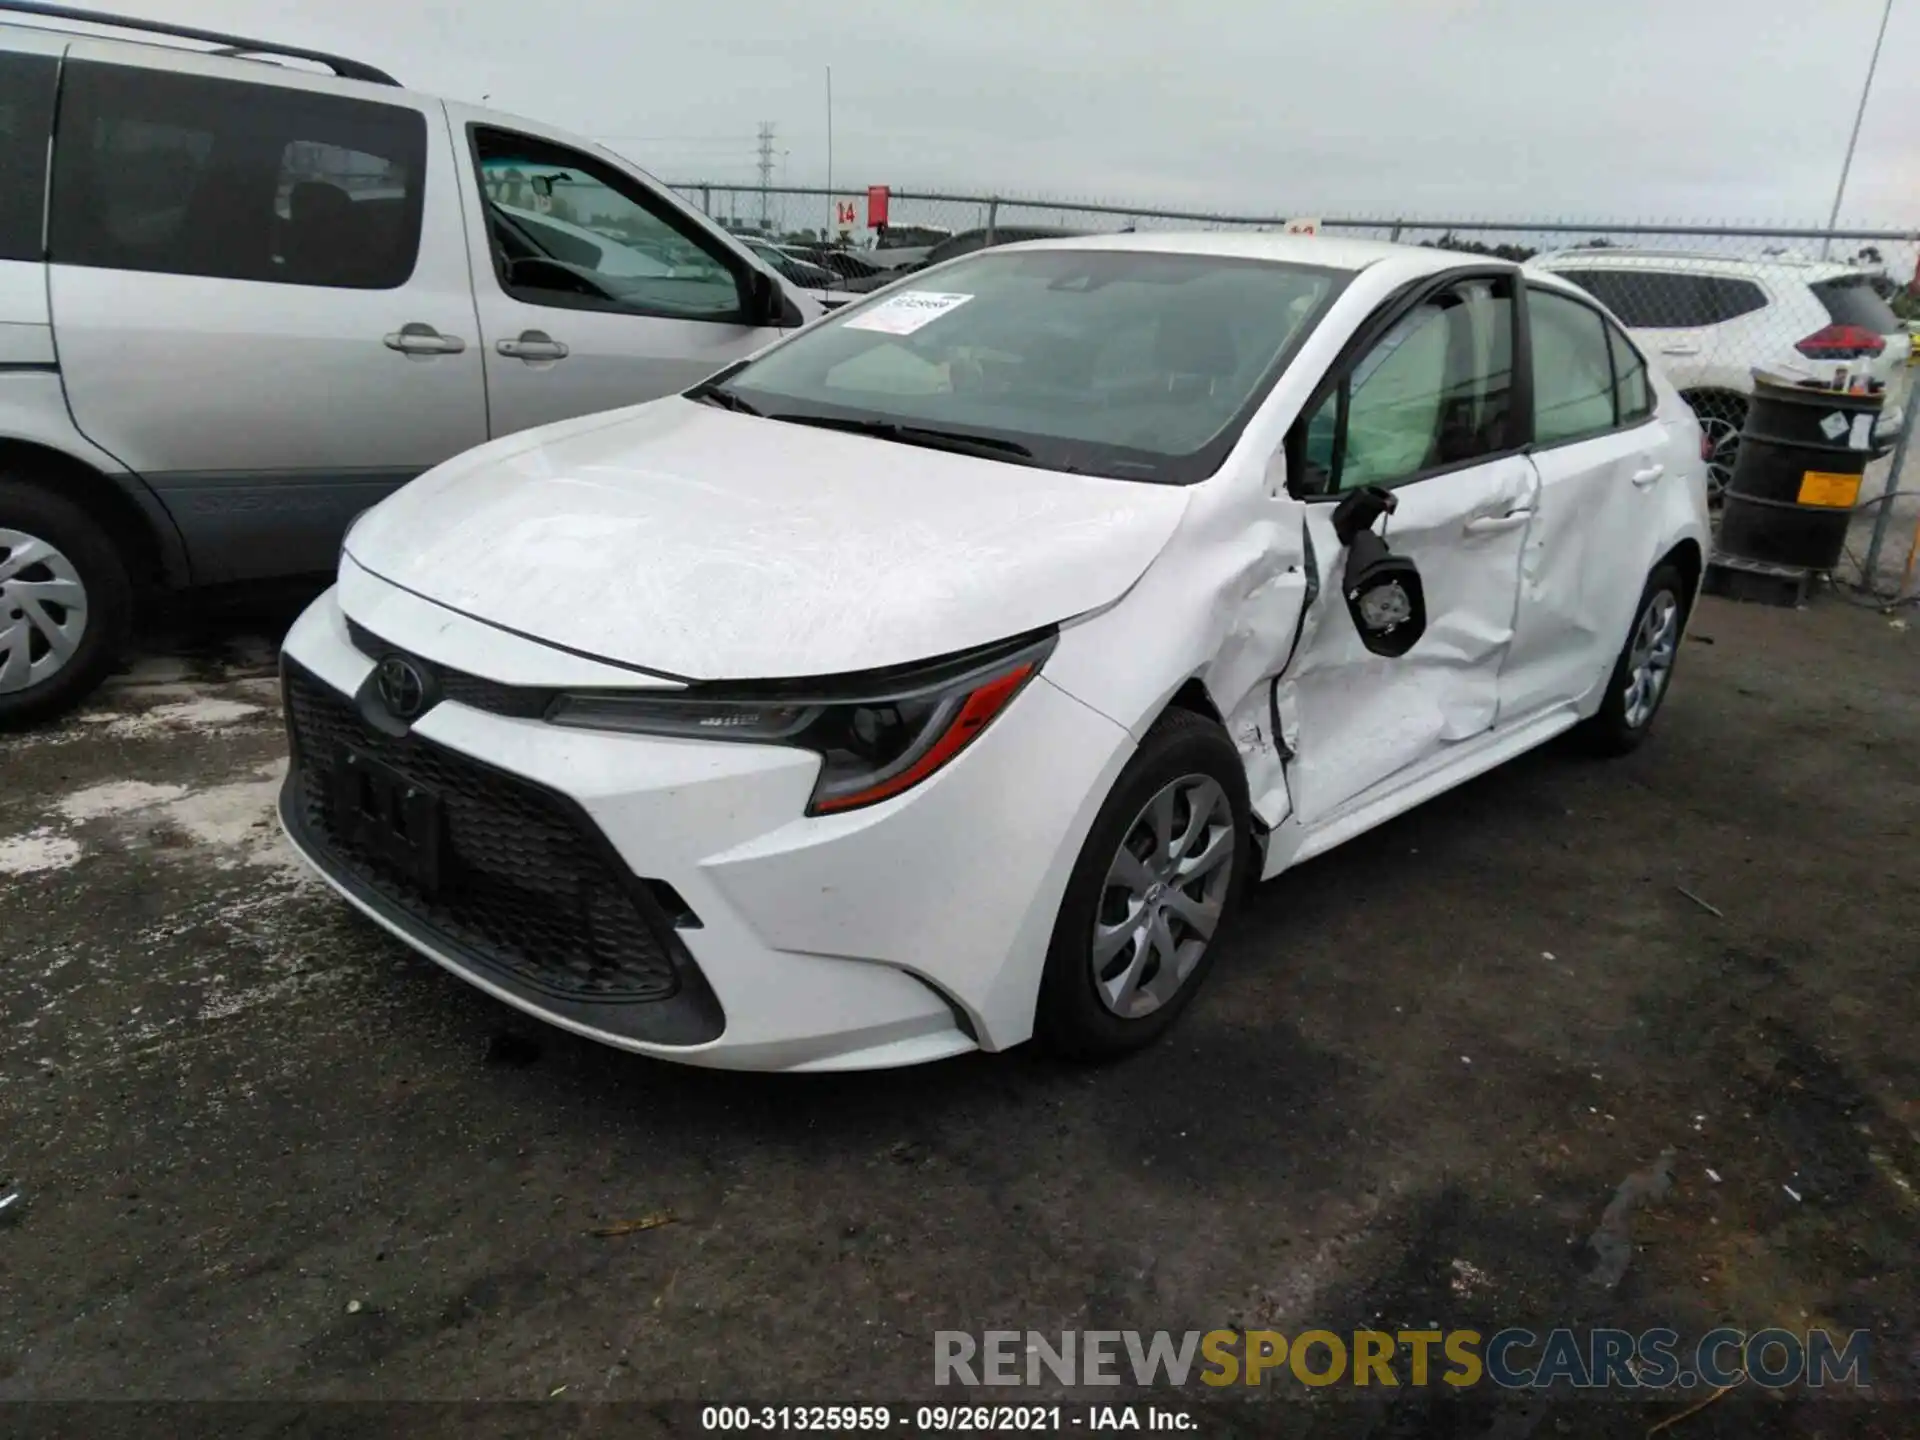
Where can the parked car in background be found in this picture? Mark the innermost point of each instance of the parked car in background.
(844, 262)
(964, 243)
(1709, 320)
(263, 298)
(800, 271)
(937, 678)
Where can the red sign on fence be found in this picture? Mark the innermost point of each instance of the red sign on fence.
(876, 206)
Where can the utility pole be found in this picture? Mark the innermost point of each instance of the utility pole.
(1846, 165)
(766, 169)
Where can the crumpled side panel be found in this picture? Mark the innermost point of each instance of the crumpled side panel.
(1223, 605)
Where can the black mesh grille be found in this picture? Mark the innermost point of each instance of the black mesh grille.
(525, 702)
(527, 886)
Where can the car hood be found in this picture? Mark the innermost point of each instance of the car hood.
(702, 544)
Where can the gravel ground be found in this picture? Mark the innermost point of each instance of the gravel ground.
(267, 1153)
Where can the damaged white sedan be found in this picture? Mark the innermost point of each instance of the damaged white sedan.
(937, 678)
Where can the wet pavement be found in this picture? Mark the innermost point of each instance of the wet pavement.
(266, 1152)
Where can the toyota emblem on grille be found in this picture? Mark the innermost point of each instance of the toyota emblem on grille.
(403, 689)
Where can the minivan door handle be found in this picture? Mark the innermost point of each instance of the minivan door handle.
(532, 345)
(1680, 349)
(419, 338)
(1651, 473)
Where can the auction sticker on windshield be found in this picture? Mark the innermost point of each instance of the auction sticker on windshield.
(907, 312)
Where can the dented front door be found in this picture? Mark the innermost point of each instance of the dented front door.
(1354, 720)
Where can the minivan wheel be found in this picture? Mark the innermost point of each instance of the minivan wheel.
(1644, 672)
(65, 604)
(1159, 874)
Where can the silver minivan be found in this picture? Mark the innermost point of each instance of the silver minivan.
(243, 300)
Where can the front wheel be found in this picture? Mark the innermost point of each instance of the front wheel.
(1159, 873)
(1645, 669)
(65, 603)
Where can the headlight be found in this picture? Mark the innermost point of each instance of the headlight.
(876, 739)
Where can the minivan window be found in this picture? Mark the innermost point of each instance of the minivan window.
(188, 175)
(26, 120)
(1572, 371)
(1112, 362)
(1852, 300)
(569, 230)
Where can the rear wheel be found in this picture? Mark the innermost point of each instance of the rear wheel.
(1160, 872)
(65, 603)
(1642, 674)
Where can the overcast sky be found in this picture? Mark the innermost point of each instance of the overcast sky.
(1655, 109)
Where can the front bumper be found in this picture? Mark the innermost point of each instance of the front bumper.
(906, 932)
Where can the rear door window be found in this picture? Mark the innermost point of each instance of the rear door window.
(1572, 369)
(1852, 300)
(1632, 390)
(189, 175)
(1669, 300)
(26, 120)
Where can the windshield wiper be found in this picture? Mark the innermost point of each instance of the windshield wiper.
(928, 437)
(708, 393)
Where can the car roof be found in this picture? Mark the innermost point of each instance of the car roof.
(1797, 267)
(159, 44)
(1329, 252)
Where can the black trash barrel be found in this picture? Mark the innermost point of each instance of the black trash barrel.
(1803, 452)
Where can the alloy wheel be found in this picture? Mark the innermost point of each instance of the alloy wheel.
(1656, 640)
(43, 611)
(1163, 896)
(1723, 448)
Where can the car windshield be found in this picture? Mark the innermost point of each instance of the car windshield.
(1128, 363)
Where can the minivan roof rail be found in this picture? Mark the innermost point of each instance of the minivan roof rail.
(230, 44)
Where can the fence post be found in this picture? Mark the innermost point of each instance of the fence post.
(706, 200)
(1883, 520)
(1395, 236)
(993, 219)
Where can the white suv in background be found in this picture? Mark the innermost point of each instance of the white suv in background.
(1708, 320)
(241, 302)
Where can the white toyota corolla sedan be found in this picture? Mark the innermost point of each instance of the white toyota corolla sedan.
(937, 678)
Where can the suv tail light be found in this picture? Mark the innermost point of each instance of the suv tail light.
(1842, 342)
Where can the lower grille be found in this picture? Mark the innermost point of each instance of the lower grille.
(527, 886)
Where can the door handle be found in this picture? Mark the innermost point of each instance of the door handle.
(418, 338)
(1494, 524)
(1646, 477)
(1679, 349)
(532, 345)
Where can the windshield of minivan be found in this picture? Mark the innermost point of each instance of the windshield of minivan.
(1128, 363)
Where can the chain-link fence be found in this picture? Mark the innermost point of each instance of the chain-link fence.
(1711, 304)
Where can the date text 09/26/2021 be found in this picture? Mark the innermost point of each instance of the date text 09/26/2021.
(948, 1419)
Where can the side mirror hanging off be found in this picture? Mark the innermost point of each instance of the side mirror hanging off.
(1383, 590)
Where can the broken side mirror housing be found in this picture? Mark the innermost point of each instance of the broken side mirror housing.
(1383, 590)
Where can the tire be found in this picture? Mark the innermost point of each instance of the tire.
(1625, 716)
(1188, 758)
(63, 583)
(1722, 416)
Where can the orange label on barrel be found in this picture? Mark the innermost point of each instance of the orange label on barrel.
(1817, 487)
